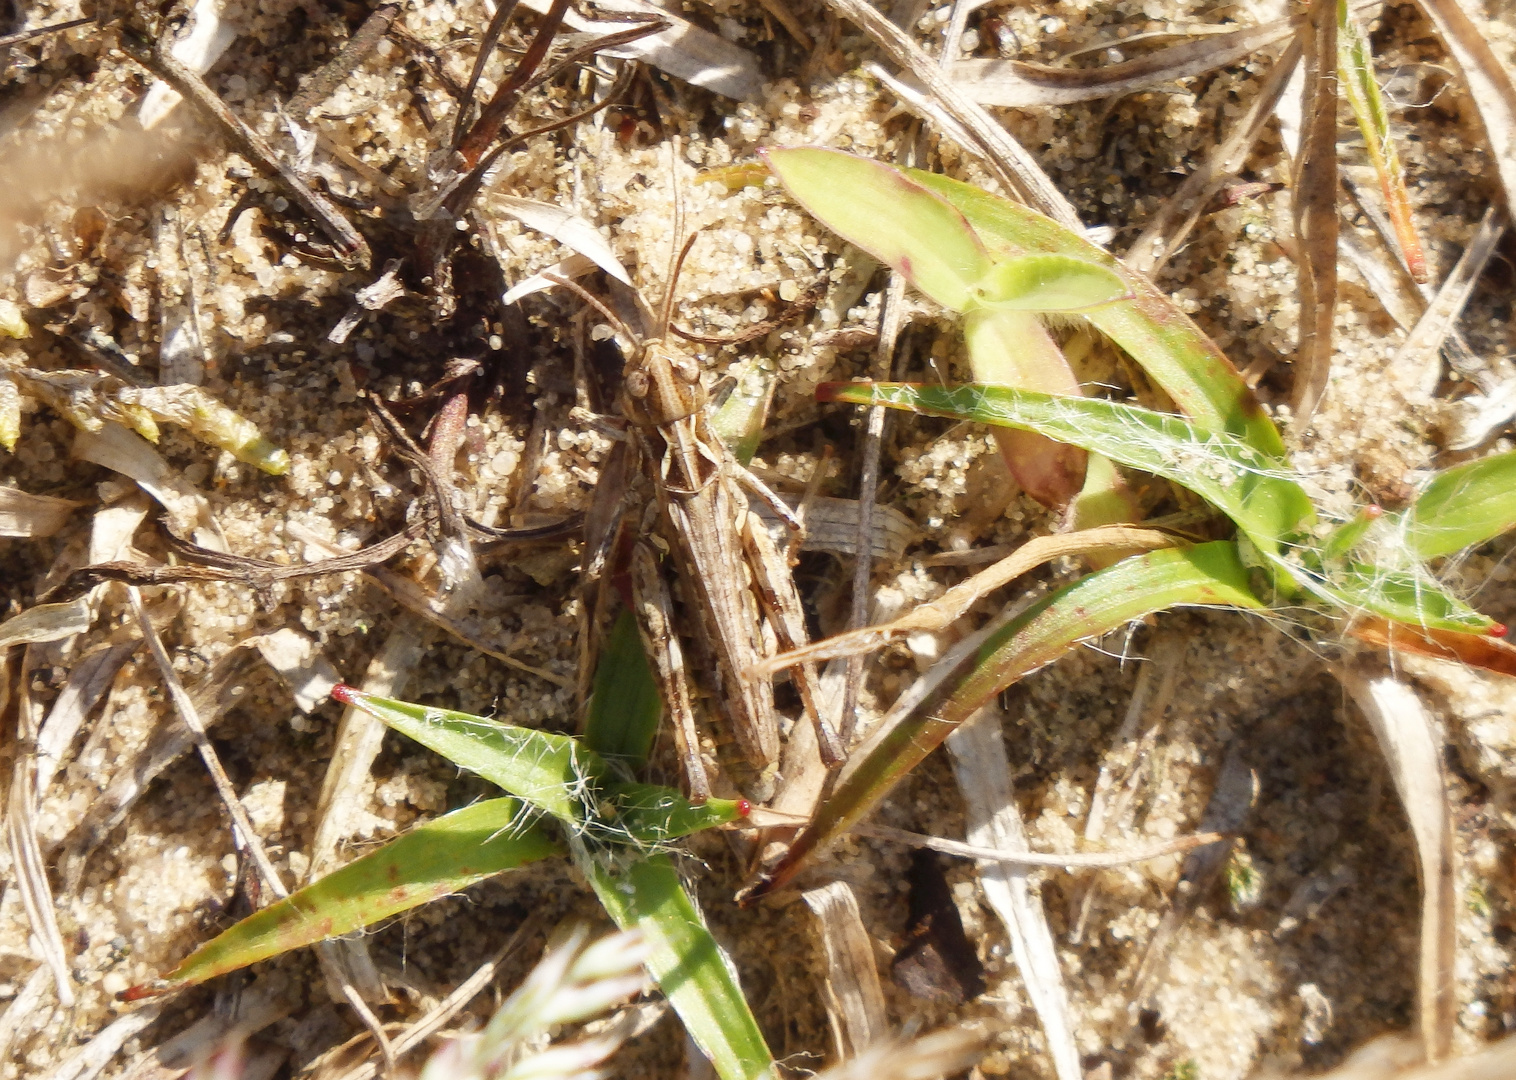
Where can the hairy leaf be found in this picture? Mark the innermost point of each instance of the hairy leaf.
(430, 861)
(691, 969)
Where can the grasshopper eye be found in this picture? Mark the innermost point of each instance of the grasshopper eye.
(637, 384)
(685, 368)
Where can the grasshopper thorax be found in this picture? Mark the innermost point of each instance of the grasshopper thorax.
(662, 386)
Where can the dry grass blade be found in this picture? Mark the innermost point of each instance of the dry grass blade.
(325, 81)
(184, 705)
(1315, 210)
(359, 736)
(114, 447)
(1007, 157)
(854, 999)
(87, 683)
(1398, 1058)
(217, 692)
(33, 516)
(890, 322)
(436, 1018)
(1176, 217)
(1230, 805)
(21, 834)
(253, 1010)
(956, 602)
(298, 660)
(1417, 365)
(1119, 771)
(1016, 84)
(684, 50)
(1488, 81)
(349, 245)
(942, 1053)
(993, 820)
(91, 1059)
(20, 1008)
(1069, 860)
(1411, 746)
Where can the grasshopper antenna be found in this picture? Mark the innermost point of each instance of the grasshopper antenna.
(595, 302)
(676, 262)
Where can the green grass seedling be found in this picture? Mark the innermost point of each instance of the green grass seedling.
(566, 797)
(1368, 577)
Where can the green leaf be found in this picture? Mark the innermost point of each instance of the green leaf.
(652, 814)
(1208, 575)
(900, 223)
(691, 969)
(554, 773)
(1051, 283)
(738, 420)
(430, 861)
(1405, 596)
(1251, 488)
(1462, 506)
(625, 707)
(1164, 341)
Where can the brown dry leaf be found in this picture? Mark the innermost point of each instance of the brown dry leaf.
(854, 998)
(129, 454)
(1014, 166)
(27, 515)
(684, 50)
(1413, 749)
(1016, 84)
(1315, 208)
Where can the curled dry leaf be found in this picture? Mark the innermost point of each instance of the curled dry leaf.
(22, 514)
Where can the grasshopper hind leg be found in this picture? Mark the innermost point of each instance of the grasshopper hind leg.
(655, 620)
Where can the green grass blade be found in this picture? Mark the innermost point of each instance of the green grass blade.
(1251, 488)
(1355, 72)
(652, 814)
(430, 861)
(900, 223)
(1209, 575)
(695, 976)
(625, 707)
(552, 772)
(1406, 596)
(738, 421)
(1156, 334)
(1462, 506)
(1051, 283)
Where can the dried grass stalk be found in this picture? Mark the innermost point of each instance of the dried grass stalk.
(1315, 209)
(1413, 749)
(994, 820)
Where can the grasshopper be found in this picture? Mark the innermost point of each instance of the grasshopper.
(674, 494)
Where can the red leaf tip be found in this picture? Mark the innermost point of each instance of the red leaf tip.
(1373, 511)
(744, 808)
(1499, 629)
(138, 992)
(344, 693)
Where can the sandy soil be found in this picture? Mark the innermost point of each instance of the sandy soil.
(108, 228)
